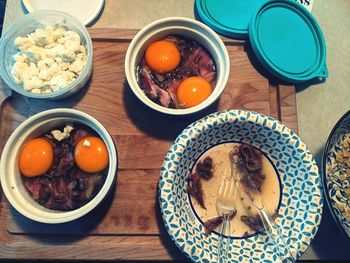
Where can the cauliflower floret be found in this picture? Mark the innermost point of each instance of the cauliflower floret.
(77, 66)
(31, 55)
(50, 72)
(22, 43)
(33, 70)
(42, 37)
(50, 46)
(45, 64)
(61, 80)
(61, 40)
(59, 60)
(48, 90)
(58, 33)
(42, 66)
(82, 49)
(32, 83)
(36, 91)
(50, 30)
(40, 51)
(18, 69)
(69, 76)
(31, 39)
(54, 51)
(68, 55)
(65, 66)
(19, 58)
(72, 41)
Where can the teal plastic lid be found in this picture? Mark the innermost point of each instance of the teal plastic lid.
(288, 41)
(228, 17)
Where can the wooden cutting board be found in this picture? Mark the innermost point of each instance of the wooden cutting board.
(127, 225)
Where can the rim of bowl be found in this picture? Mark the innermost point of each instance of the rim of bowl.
(219, 87)
(66, 216)
(324, 172)
(87, 70)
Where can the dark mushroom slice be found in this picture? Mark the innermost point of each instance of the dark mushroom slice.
(205, 168)
(253, 222)
(214, 222)
(194, 188)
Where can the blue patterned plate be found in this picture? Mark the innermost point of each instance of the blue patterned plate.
(336, 178)
(301, 204)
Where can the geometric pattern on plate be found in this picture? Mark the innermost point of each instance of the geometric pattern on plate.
(301, 206)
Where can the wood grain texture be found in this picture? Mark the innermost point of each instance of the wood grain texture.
(130, 208)
(288, 108)
(127, 225)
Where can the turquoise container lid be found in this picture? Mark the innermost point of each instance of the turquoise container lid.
(288, 41)
(284, 35)
(228, 17)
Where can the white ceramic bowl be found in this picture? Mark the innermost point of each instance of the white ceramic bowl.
(181, 26)
(35, 126)
(27, 24)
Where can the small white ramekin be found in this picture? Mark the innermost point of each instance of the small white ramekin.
(10, 176)
(181, 26)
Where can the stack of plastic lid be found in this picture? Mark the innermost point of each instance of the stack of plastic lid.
(284, 35)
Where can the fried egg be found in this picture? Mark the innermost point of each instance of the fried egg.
(36, 157)
(91, 154)
(162, 56)
(192, 91)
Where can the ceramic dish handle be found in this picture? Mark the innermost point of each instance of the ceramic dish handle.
(274, 233)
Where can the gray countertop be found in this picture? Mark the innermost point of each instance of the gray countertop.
(318, 106)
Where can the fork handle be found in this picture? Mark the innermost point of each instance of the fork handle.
(275, 234)
(222, 253)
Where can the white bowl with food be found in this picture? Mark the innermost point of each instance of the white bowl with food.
(46, 54)
(177, 66)
(273, 165)
(58, 165)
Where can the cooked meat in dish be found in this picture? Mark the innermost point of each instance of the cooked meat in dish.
(205, 168)
(194, 188)
(162, 87)
(250, 166)
(254, 222)
(65, 187)
(213, 223)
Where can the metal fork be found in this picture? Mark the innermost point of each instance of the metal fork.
(269, 223)
(225, 205)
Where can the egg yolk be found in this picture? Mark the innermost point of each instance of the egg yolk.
(162, 56)
(192, 91)
(36, 157)
(91, 154)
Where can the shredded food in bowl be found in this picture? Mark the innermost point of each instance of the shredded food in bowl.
(340, 171)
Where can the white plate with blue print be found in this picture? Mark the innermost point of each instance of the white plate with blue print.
(336, 179)
(301, 202)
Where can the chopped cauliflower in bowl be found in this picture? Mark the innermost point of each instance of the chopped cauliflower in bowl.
(46, 54)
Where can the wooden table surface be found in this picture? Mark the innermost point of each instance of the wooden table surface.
(128, 224)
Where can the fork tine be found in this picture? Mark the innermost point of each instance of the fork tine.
(221, 188)
(226, 188)
(232, 188)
